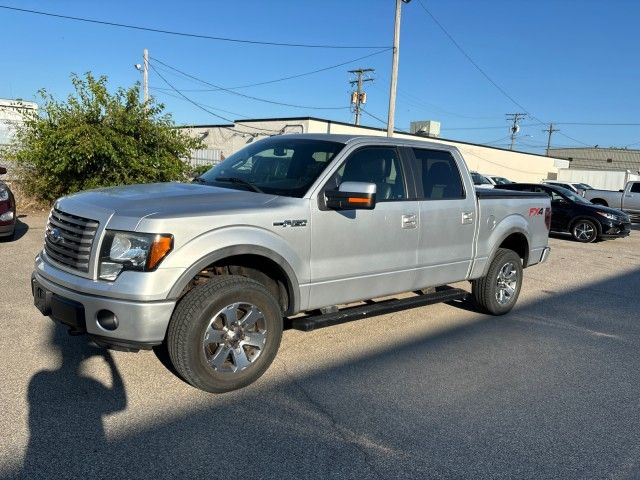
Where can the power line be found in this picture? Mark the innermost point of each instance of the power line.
(185, 34)
(378, 119)
(204, 108)
(496, 85)
(243, 95)
(163, 92)
(472, 61)
(290, 77)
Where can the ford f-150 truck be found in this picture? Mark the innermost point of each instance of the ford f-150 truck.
(285, 231)
(627, 200)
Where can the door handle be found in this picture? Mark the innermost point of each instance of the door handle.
(467, 218)
(409, 221)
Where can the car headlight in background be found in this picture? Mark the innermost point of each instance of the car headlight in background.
(610, 216)
(6, 216)
(140, 252)
(4, 194)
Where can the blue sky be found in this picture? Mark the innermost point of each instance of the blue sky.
(564, 61)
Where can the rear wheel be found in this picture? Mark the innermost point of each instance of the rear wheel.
(224, 334)
(498, 291)
(584, 231)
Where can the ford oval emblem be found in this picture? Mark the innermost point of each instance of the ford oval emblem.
(54, 235)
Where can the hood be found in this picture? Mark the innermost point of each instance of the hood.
(601, 208)
(172, 199)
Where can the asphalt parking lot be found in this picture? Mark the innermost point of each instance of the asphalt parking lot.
(551, 390)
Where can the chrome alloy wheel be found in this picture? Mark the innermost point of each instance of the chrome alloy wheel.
(235, 338)
(507, 283)
(584, 231)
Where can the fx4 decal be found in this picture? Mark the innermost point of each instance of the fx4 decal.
(536, 211)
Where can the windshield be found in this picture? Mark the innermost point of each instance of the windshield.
(276, 165)
(479, 179)
(501, 180)
(584, 186)
(572, 196)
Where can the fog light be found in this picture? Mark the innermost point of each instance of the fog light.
(6, 216)
(107, 320)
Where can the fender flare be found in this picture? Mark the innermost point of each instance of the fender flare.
(293, 287)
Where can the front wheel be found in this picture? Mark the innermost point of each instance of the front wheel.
(498, 291)
(224, 334)
(584, 231)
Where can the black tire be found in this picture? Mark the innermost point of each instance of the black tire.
(192, 319)
(486, 289)
(584, 231)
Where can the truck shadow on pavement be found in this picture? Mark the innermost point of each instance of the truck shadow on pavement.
(548, 391)
(66, 409)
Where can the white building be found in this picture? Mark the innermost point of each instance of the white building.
(518, 166)
(12, 113)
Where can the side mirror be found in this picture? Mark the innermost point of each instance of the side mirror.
(352, 196)
(621, 190)
(3, 170)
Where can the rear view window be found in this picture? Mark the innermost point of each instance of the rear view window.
(440, 175)
(635, 188)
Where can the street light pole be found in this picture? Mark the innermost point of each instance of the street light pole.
(394, 68)
(145, 74)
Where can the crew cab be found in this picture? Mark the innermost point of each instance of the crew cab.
(585, 221)
(627, 199)
(291, 226)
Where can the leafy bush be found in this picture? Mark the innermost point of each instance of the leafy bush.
(97, 139)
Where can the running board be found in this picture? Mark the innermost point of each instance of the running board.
(348, 314)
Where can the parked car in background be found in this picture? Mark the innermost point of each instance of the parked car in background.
(497, 180)
(481, 181)
(571, 213)
(7, 209)
(627, 199)
(573, 186)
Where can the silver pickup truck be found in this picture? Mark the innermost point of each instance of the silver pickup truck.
(627, 200)
(283, 232)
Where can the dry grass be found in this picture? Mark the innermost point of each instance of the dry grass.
(25, 203)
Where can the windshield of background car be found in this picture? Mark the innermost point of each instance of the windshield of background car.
(277, 165)
(479, 179)
(572, 196)
(501, 180)
(584, 186)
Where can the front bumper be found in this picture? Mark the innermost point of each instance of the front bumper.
(138, 325)
(7, 230)
(615, 229)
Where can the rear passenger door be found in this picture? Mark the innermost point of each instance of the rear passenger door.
(447, 218)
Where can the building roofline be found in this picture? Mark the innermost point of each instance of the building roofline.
(336, 122)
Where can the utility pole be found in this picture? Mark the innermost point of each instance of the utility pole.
(550, 130)
(394, 68)
(515, 128)
(145, 74)
(359, 97)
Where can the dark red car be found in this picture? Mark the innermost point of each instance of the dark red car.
(7, 209)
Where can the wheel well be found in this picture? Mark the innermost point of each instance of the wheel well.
(519, 244)
(600, 201)
(261, 269)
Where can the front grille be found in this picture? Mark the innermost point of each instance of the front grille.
(69, 238)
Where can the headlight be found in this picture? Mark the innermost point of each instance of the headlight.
(141, 252)
(610, 216)
(4, 194)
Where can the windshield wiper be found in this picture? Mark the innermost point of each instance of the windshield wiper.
(239, 181)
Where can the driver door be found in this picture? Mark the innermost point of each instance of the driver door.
(363, 254)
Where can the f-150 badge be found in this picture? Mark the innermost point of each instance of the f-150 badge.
(290, 223)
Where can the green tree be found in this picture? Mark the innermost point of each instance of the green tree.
(97, 139)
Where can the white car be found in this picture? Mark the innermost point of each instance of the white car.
(498, 180)
(575, 187)
(481, 181)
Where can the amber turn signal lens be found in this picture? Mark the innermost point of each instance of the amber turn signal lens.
(358, 200)
(160, 248)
